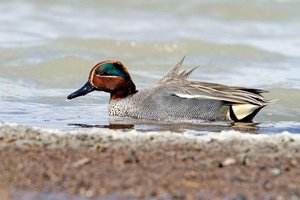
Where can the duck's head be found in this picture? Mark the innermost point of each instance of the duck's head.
(109, 76)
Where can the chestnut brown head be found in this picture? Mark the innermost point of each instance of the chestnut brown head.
(109, 76)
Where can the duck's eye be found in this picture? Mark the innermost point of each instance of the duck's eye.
(103, 73)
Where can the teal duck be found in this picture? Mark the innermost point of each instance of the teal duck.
(173, 97)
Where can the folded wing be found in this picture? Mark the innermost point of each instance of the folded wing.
(241, 104)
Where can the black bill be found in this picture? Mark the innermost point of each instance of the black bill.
(87, 88)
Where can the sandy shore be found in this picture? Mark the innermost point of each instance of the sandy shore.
(105, 164)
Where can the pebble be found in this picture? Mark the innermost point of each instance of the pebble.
(279, 198)
(101, 148)
(89, 193)
(10, 140)
(268, 185)
(294, 162)
(228, 161)
(244, 160)
(81, 162)
(132, 158)
(275, 171)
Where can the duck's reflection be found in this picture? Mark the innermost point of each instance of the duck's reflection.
(203, 127)
(109, 126)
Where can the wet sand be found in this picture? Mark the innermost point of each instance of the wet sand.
(105, 164)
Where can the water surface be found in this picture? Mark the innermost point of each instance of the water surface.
(47, 49)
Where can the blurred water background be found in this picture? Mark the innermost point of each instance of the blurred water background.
(47, 49)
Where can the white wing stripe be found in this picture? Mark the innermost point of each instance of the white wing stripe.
(190, 96)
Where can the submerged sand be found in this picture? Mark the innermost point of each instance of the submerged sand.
(105, 164)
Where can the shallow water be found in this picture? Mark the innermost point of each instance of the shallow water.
(47, 49)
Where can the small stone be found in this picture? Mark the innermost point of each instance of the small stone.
(244, 160)
(275, 171)
(81, 162)
(89, 193)
(228, 161)
(293, 162)
(267, 185)
(279, 198)
(82, 191)
(10, 140)
(101, 148)
(132, 158)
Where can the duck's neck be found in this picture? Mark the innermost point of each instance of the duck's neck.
(124, 91)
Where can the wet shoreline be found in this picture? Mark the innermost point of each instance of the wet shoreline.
(129, 164)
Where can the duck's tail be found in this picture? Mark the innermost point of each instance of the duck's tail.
(243, 112)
